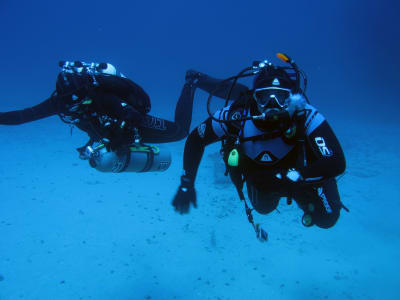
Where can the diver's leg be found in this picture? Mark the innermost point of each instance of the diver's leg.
(321, 206)
(262, 201)
(43, 110)
(218, 87)
(157, 130)
(184, 109)
(328, 208)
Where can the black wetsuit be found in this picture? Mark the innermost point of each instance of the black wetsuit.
(114, 98)
(315, 153)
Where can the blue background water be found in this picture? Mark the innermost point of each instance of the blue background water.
(348, 49)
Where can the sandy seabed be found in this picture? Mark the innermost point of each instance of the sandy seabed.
(70, 232)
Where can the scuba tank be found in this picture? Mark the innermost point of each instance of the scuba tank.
(137, 158)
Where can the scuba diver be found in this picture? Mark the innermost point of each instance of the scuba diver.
(273, 140)
(113, 111)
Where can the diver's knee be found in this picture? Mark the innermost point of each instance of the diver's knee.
(262, 202)
(263, 207)
(326, 221)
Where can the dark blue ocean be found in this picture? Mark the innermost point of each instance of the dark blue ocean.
(68, 231)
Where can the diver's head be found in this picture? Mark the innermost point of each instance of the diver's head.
(272, 87)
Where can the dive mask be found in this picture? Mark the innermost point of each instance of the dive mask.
(271, 97)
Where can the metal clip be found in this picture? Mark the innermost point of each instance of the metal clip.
(136, 136)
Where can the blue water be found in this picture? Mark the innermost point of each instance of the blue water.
(69, 232)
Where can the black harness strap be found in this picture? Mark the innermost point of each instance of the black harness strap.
(150, 160)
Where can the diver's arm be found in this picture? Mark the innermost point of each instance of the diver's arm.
(43, 110)
(194, 148)
(328, 157)
(196, 142)
(219, 87)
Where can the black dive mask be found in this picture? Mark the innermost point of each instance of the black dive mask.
(271, 97)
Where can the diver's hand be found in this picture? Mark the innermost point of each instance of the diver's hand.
(192, 77)
(185, 195)
(295, 102)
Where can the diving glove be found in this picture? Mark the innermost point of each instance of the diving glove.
(192, 77)
(185, 195)
(295, 103)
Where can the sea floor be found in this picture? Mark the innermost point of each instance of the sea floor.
(70, 232)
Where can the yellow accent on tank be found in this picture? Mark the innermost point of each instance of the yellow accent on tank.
(99, 147)
(154, 149)
(87, 102)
